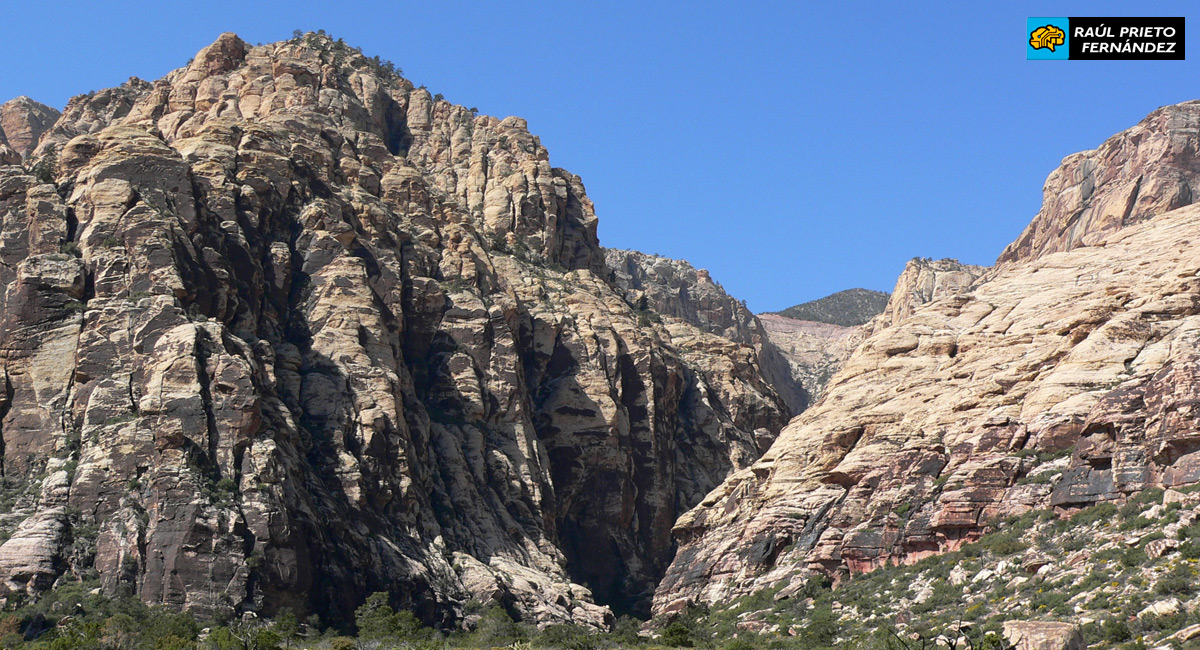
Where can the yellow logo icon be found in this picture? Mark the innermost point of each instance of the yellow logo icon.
(1047, 37)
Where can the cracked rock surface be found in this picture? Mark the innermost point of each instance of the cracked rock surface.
(285, 330)
(1084, 341)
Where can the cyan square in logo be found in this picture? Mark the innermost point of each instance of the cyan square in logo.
(1047, 39)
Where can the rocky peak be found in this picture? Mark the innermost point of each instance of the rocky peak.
(1133, 176)
(675, 288)
(494, 168)
(22, 123)
(924, 280)
(280, 330)
(847, 308)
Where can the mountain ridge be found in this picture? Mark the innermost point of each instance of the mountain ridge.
(1079, 345)
(281, 330)
(846, 308)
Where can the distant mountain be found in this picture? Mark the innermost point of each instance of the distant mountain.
(846, 308)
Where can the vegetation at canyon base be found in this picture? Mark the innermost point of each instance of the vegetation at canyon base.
(1101, 567)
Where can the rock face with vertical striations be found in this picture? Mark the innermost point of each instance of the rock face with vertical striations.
(923, 281)
(22, 123)
(674, 288)
(1139, 173)
(285, 330)
(923, 438)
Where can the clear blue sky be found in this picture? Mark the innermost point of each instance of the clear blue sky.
(793, 149)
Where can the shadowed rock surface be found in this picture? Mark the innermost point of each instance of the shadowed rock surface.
(922, 439)
(676, 289)
(286, 330)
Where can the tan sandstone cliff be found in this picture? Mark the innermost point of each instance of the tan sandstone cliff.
(815, 351)
(1084, 339)
(284, 330)
(1135, 175)
(22, 123)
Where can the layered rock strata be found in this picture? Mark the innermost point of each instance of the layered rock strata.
(1141, 172)
(923, 438)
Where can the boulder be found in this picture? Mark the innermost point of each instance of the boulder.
(1042, 635)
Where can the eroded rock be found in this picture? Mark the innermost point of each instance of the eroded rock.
(304, 332)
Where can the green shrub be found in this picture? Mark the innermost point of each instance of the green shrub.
(568, 637)
(743, 642)
(822, 628)
(1134, 557)
(1088, 516)
(376, 620)
(1177, 580)
(1137, 523)
(677, 635)
(43, 170)
(815, 586)
(1189, 550)
(497, 628)
(1114, 630)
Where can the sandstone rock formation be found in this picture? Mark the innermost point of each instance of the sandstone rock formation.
(922, 281)
(22, 123)
(814, 351)
(675, 289)
(1133, 176)
(923, 437)
(286, 330)
(1042, 635)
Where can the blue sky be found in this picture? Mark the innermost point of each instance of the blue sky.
(793, 149)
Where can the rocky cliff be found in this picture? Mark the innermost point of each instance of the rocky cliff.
(816, 338)
(923, 281)
(22, 123)
(674, 288)
(281, 330)
(1082, 342)
(1133, 176)
(814, 351)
